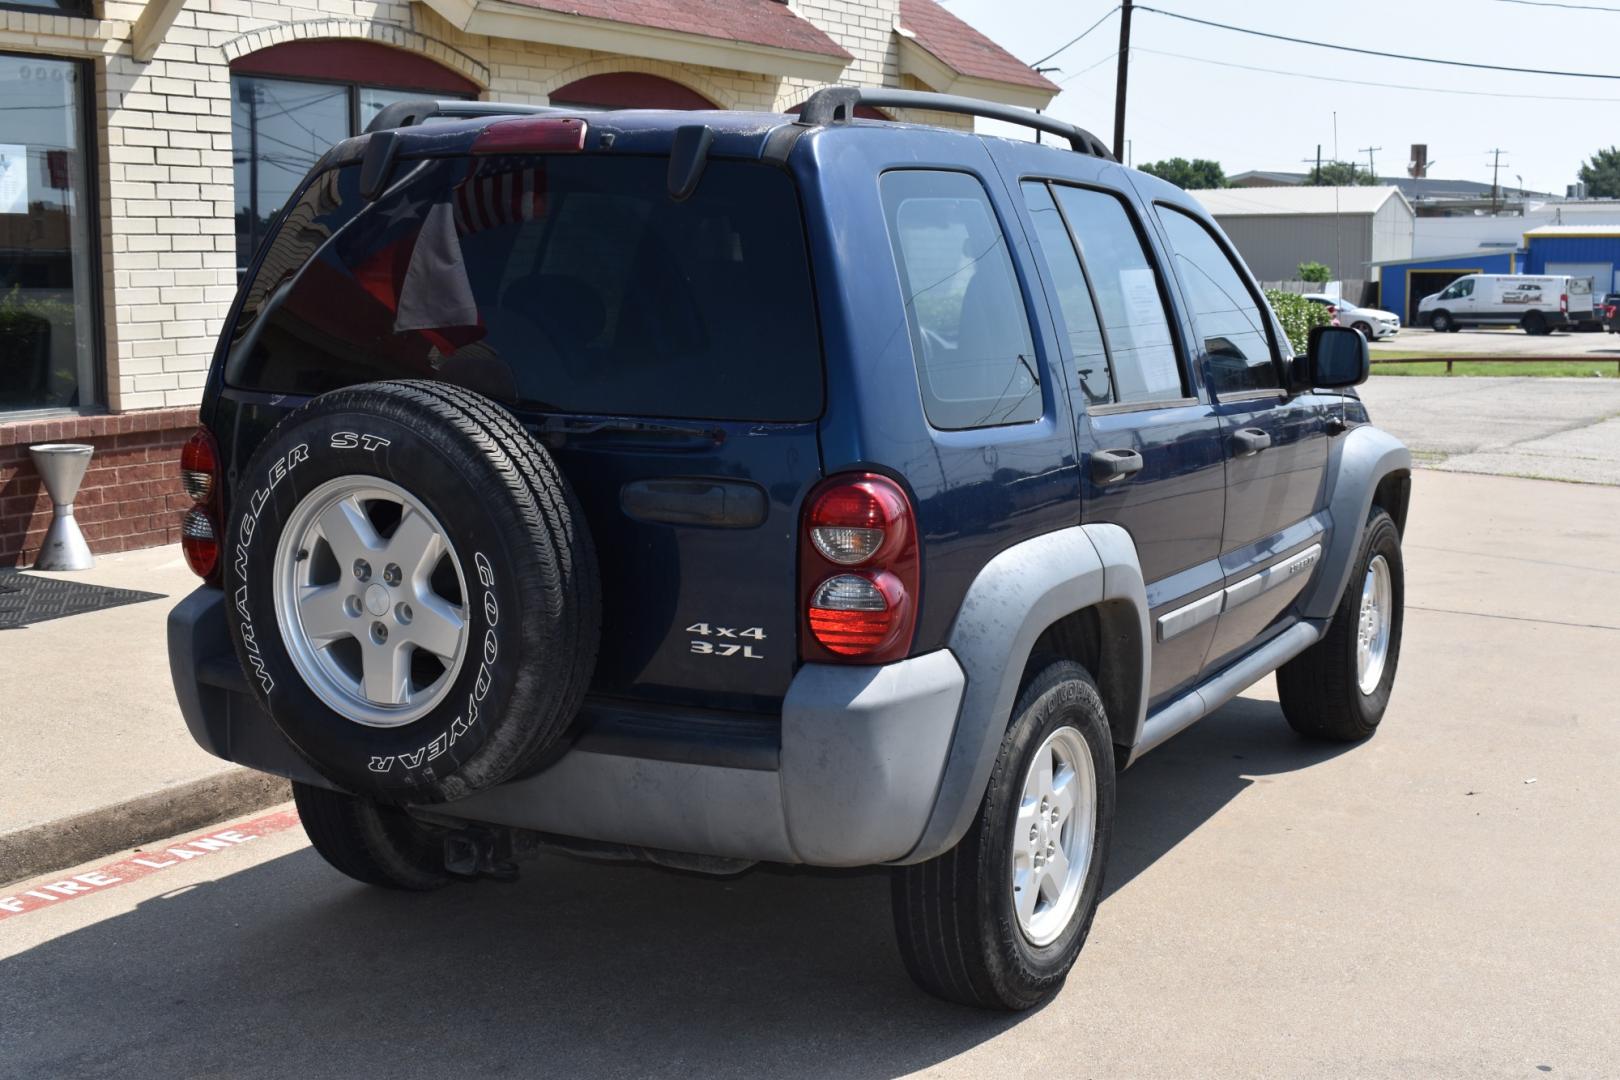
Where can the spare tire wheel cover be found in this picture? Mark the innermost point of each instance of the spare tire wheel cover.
(395, 607)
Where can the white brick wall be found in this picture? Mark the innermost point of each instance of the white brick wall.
(164, 140)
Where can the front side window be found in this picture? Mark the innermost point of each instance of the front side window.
(1145, 365)
(970, 333)
(1227, 315)
(47, 329)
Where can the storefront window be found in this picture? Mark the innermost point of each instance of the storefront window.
(281, 127)
(47, 321)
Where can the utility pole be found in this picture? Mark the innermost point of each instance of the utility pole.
(1496, 168)
(1316, 175)
(1372, 170)
(1043, 71)
(1123, 68)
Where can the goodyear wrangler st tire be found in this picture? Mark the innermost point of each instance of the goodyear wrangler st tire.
(411, 590)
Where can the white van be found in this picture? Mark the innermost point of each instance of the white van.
(1536, 303)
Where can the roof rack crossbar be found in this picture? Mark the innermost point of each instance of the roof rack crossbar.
(832, 104)
(416, 111)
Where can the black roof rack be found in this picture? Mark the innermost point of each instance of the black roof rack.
(832, 104)
(415, 111)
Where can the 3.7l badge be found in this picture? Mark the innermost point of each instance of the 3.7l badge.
(732, 647)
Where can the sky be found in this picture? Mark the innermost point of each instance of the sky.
(1187, 106)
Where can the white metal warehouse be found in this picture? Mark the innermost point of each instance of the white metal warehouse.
(1348, 228)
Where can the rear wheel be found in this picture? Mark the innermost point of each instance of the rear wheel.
(1535, 323)
(1440, 322)
(372, 843)
(1339, 688)
(998, 920)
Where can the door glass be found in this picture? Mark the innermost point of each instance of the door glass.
(1128, 293)
(1225, 312)
(279, 129)
(970, 332)
(47, 334)
(1068, 279)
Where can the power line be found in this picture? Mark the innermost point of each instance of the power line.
(1077, 38)
(1566, 7)
(1369, 82)
(1375, 52)
(1067, 78)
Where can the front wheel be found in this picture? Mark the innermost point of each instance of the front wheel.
(1339, 688)
(1364, 330)
(1440, 322)
(998, 920)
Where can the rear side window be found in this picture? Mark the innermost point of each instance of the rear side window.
(1068, 280)
(970, 332)
(1127, 288)
(1225, 312)
(569, 283)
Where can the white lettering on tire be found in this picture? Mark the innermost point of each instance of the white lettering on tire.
(480, 688)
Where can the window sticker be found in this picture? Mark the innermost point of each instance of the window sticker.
(13, 178)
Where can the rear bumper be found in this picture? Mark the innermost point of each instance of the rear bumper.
(847, 776)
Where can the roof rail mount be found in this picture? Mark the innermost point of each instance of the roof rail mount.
(833, 104)
(414, 111)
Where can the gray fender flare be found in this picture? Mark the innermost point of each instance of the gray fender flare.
(1356, 466)
(1017, 595)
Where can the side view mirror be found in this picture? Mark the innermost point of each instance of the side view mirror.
(1336, 356)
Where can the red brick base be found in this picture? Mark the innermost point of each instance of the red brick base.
(130, 498)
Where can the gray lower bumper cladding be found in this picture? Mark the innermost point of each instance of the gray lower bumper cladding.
(858, 773)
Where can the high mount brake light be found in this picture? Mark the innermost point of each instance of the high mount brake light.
(858, 571)
(199, 529)
(536, 134)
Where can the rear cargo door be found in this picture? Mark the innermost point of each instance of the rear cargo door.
(667, 352)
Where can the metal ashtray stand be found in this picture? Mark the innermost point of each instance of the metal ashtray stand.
(61, 466)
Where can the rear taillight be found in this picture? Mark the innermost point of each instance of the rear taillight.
(199, 529)
(858, 571)
(531, 134)
(1563, 302)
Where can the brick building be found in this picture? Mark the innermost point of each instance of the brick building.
(145, 148)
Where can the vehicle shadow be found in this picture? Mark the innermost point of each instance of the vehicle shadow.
(286, 969)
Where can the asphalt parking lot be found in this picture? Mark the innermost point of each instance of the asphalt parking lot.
(1443, 900)
(1500, 341)
(1559, 429)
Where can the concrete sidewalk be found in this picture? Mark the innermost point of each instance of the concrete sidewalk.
(96, 755)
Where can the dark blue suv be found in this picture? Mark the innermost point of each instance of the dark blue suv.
(711, 488)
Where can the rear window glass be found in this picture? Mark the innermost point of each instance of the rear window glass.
(566, 283)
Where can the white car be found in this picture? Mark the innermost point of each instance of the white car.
(1372, 322)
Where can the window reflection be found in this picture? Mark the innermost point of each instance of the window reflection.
(46, 328)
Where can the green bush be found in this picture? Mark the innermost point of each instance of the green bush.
(1297, 316)
(1315, 272)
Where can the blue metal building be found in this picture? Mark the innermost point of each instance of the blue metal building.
(1578, 250)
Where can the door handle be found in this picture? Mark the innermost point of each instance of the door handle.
(1250, 441)
(1112, 466)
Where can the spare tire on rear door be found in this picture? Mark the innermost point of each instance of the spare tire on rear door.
(411, 590)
